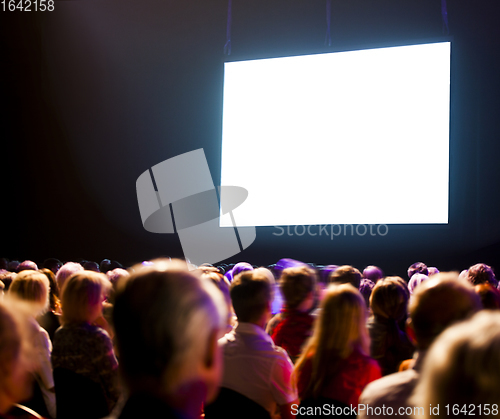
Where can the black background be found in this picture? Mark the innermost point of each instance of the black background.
(96, 92)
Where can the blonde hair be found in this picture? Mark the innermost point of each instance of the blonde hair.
(16, 349)
(33, 288)
(462, 367)
(10, 341)
(82, 294)
(339, 330)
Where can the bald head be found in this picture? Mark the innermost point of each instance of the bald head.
(373, 273)
(438, 303)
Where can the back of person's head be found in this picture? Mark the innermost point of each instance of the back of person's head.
(463, 275)
(105, 265)
(251, 295)
(54, 300)
(490, 296)
(389, 299)
(82, 296)
(68, 269)
(15, 381)
(431, 270)
(53, 264)
(54, 288)
(373, 273)
(339, 330)
(341, 324)
(286, 263)
(481, 274)
(27, 265)
(346, 275)
(268, 274)
(462, 368)
(277, 300)
(219, 280)
(417, 268)
(7, 278)
(415, 281)
(241, 267)
(4, 264)
(223, 284)
(33, 288)
(296, 284)
(10, 339)
(114, 264)
(13, 264)
(325, 273)
(90, 265)
(167, 322)
(438, 303)
(366, 288)
(117, 275)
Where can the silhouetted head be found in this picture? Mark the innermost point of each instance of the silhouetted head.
(27, 265)
(462, 368)
(417, 268)
(346, 275)
(389, 299)
(167, 323)
(438, 303)
(373, 273)
(481, 274)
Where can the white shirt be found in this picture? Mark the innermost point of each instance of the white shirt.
(393, 391)
(43, 373)
(256, 368)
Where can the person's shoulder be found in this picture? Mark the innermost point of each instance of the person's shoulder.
(271, 325)
(359, 360)
(44, 338)
(280, 352)
(86, 331)
(276, 319)
(391, 386)
(99, 334)
(281, 357)
(227, 338)
(38, 331)
(62, 332)
(359, 356)
(372, 363)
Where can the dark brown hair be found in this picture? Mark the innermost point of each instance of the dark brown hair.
(296, 284)
(250, 294)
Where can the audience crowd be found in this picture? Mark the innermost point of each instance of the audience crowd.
(166, 339)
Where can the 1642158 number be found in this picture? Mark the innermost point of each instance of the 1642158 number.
(27, 5)
(471, 409)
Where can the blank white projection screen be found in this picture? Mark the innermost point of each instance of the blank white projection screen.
(359, 137)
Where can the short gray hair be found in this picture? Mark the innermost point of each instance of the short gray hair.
(163, 318)
(65, 272)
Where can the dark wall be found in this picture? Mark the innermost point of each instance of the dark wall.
(96, 92)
